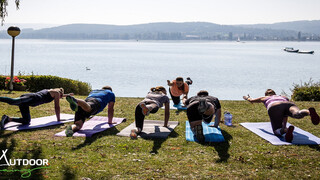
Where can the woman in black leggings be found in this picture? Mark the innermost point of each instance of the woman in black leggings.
(151, 104)
(32, 99)
(279, 108)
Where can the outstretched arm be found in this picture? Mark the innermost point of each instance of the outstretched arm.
(110, 112)
(166, 114)
(169, 83)
(253, 100)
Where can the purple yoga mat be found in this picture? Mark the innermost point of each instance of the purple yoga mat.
(93, 126)
(40, 122)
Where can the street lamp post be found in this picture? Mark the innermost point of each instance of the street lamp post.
(13, 32)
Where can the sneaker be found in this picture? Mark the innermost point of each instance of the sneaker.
(198, 132)
(190, 81)
(69, 132)
(145, 110)
(134, 133)
(4, 120)
(202, 105)
(289, 134)
(314, 116)
(73, 103)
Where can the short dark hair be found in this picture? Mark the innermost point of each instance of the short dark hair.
(203, 93)
(269, 92)
(107, 88)
(179, 79)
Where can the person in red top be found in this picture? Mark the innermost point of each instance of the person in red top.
(177, 88)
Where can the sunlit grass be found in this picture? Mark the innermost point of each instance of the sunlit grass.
(244, 155)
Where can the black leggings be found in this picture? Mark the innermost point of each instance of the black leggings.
(23, 102)
(194, 115)
(140, 117)
(279, 111)
(175, 99)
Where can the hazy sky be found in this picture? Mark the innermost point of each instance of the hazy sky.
(126, 12)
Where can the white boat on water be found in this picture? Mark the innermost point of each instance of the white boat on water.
(305, 52)
(290, 49)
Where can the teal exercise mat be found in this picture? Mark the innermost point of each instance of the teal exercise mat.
(211, 134)
(180, 106)
(151, 129)
(40, 122)
(264, 130)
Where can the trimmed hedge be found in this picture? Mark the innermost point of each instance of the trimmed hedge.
(308, 91)
(38, 82)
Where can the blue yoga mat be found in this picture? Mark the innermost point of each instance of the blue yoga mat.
(180, 106)
(264, 130)
(211, 134)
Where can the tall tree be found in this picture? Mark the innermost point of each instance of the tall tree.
(3, 9)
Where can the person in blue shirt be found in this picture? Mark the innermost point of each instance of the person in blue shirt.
(92, 105)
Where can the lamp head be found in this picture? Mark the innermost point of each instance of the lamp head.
(13, 31)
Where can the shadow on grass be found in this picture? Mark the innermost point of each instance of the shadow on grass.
(156, 145)
(67, 173)
(223, 147)
(17, 170)
(90, 140)
(6, 135)
(6, 155)
(315, 147)
(157, 142)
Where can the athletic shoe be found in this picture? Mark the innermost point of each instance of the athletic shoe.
(202, 105)
(134, 133)
(289, 134)
(69, 132)
(189, 79)
(4, 120)
(73, 103)
(198, 132)
(145, 110)
(314, 116)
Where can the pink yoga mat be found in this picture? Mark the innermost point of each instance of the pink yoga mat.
(94, 125)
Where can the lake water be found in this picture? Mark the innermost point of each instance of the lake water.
(227, 70)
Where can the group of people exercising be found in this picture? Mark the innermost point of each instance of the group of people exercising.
(200, 108)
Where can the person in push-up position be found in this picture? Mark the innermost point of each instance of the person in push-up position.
(92, 105)
(202, 107)
(33, 99)
(279, 108)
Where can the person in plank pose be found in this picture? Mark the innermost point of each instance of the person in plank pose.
(33, 99)
(155, 99)
(202, 107)
(279, 108)
(92, 105)
(177, 88)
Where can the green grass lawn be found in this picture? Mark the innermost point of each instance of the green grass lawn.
(243, 155)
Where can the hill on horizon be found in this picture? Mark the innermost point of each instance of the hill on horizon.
(176, 31)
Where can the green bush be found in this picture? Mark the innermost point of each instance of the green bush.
(38, 82)
(308, 91)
